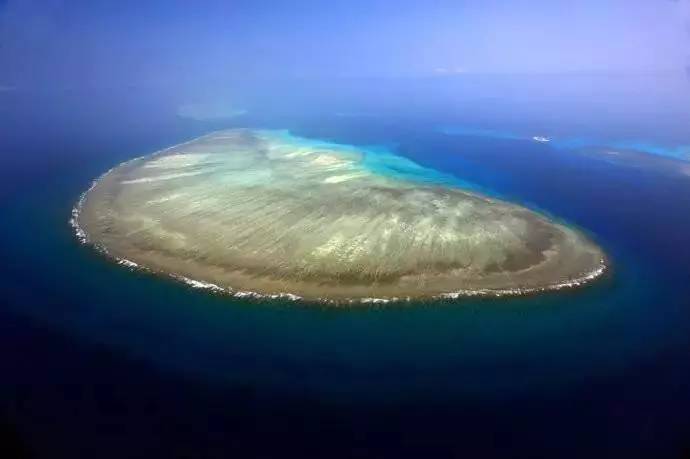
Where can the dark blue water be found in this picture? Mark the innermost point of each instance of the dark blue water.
(99, 361)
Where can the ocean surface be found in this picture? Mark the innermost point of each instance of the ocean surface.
(100, 361)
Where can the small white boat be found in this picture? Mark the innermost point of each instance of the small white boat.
(539, 138)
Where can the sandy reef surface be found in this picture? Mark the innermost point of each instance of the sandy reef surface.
(254, 212)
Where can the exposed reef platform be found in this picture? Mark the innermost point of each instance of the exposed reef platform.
(265, 213)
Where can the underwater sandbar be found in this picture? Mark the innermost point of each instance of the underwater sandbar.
(265, 213)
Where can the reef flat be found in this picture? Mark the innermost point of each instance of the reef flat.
(257, 212)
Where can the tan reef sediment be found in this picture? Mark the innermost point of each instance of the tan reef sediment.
(266, 213)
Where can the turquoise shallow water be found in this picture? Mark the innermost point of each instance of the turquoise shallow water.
(382, 160)
(669, 150)
(549, 349)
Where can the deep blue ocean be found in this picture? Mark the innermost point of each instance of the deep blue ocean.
(100, 361)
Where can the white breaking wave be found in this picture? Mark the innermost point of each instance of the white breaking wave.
(127, 263)
(528, 290)
(198, 284)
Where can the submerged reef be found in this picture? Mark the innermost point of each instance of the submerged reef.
(265, 213)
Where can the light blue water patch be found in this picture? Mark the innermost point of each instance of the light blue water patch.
(386, 163)
(382, 160)
(680, 152)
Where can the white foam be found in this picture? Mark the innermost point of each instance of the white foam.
(198, 284)
(288, 296)
(127, 263)
(570, 283)
(377, 300)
